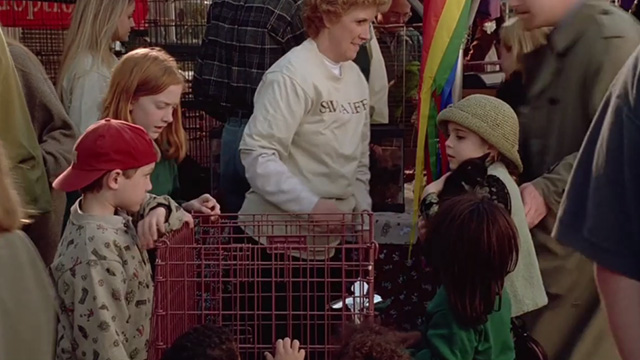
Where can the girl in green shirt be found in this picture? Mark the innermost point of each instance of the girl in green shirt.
(145, 89)
(473, 244)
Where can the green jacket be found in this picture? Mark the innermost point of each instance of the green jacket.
(164, 179)
(446, 339)
(19, 139)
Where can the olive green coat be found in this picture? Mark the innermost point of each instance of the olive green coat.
(568, 79)
(19, 138)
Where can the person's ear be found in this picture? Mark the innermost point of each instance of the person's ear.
(131, 104)
(113, 179)
(492, 155)
(328, 21)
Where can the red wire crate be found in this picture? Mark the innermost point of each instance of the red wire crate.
(216, 273)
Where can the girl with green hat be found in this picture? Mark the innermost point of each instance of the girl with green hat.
(475, 126)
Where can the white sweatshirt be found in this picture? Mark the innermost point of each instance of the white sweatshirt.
(308, 137)
(83, 91)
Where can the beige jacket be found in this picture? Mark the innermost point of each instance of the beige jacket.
(27, 301)
(524, 284)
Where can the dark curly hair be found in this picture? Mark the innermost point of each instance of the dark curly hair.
(474, 245)
(369, 341)
(203, 342)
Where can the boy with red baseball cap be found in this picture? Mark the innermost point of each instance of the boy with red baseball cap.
(101, 270)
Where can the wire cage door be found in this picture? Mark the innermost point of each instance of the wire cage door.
(298, 278)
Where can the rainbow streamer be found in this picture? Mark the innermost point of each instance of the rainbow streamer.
(445, 25)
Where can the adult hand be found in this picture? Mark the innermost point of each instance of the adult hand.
(287, 350)
(151, 227)
(326, 210)
(327, 215)
(205, 204)
(535, 209)
(436, 186)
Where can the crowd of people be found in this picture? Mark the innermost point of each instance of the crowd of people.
(541, 183)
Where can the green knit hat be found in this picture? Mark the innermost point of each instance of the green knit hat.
(489, 117)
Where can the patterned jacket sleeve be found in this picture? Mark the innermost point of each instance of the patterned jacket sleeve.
(429, 205)
(175, 214)
(100, 315)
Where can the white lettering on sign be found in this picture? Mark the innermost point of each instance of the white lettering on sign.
(47, 9)
(16, 7)
(35, 7)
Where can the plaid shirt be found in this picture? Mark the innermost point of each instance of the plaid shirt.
(242, 40)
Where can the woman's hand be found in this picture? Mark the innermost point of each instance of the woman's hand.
(287, 350)
(436, 186)
(327, 217)
(205, 204)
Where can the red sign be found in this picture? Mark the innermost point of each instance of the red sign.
(51, 15)
(35, 14)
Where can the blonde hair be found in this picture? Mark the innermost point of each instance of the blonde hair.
(147, 72)
(519, 41)
(11, 210)
(93, 25)
(315, 11)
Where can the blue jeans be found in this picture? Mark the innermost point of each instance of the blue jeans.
(233, 182)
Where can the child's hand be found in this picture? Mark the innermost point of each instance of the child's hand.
(422, 229)
(151, 227)
(205, 204)
(287, 350)
(187, 218)
(436, 186)
(410, 339)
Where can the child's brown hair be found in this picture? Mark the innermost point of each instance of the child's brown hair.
(98, 184)
(474, 245)
(369, 341)
(203, 342)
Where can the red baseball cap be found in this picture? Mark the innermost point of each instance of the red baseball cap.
(106, 146)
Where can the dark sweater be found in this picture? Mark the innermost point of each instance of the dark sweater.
(513, 91)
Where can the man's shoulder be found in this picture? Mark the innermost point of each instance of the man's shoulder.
(253, 12)
(612, 22)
